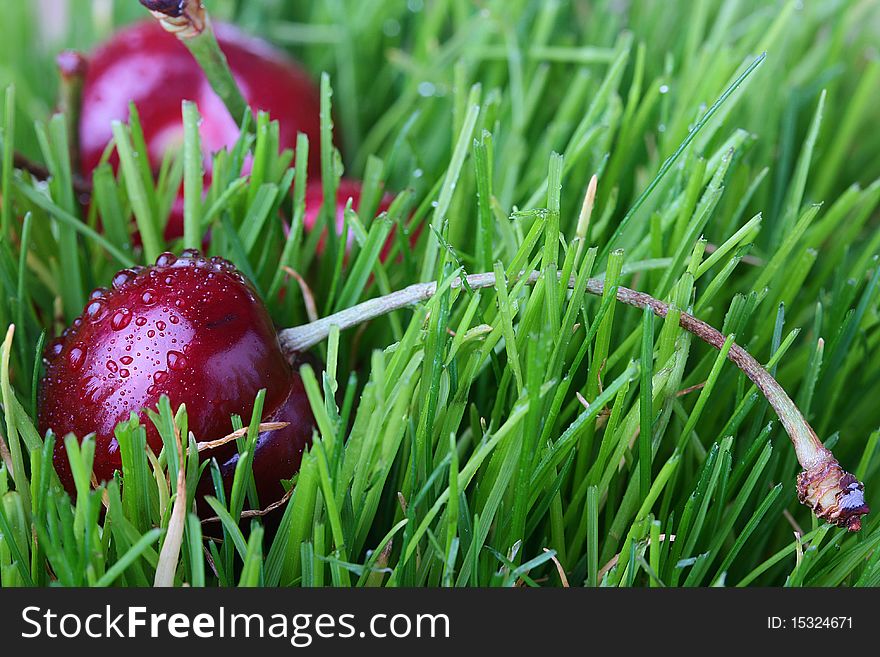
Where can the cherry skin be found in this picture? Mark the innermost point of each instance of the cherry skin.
(145, 64)
(190, 328)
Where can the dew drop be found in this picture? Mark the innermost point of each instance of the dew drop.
(148, 298)
(176, 360)
(112, 366)
(55, 348)
(166, 260)
(126, 360)
(96, 311)
(124, 373)
(160, 376)
(124, 277)
(151, 333)
(76, 357)
(121, 318)
(174, 319)
(160, 325)
(140, 321)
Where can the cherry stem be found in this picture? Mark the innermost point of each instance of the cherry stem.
(832, 493)
(189, 21)
(81, 186)
(72, 67)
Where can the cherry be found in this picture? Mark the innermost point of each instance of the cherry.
(193, 329)
(145, 64)
(347, 189)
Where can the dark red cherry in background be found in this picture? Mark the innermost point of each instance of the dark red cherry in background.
(190, 328)
(145, 64)
(347, 189)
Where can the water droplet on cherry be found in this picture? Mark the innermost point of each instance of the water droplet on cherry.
(121, 318)
(76, 357)
(123, 278)
(55, 348)
(176, 360)
(166, 260)
(96, 311)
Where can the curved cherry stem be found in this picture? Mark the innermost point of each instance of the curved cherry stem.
(832, 493)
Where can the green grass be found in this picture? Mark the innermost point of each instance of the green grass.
(453, 444)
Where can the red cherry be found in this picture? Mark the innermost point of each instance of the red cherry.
(347, 189)
(190, 328)
(145, 64)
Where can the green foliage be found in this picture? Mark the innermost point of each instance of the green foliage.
(477, 437)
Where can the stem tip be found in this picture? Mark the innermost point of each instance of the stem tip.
(833, 494)
(184, 18)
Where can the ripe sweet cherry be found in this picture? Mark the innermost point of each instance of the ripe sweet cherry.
(145, 64)
(193, 329)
